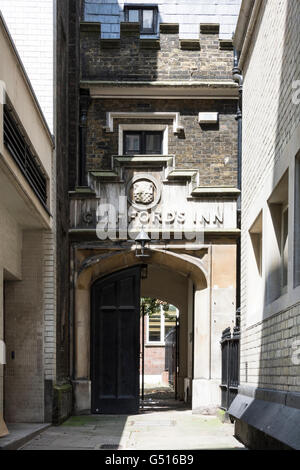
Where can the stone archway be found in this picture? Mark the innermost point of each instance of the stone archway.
(192, 297)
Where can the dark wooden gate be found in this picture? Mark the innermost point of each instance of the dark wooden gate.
(115, 343)
(230, 346)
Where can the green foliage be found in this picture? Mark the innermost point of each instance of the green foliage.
(152, 306)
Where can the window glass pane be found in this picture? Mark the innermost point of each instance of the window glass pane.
(153, 143)
(170, 322)
(148, 19)
(133, 16)
(154, 328)
(132, 143)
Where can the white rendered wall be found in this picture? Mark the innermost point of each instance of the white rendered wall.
(30, 23)
(188, 13)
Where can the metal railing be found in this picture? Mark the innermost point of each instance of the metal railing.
(230, 347)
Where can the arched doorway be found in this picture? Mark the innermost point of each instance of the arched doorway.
(160, 327)
(177, 278)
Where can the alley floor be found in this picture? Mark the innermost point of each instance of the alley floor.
(161, 425)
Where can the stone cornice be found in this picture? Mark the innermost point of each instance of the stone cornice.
(167, 89)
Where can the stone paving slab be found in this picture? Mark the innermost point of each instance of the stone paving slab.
(164, 430)
(20, 433)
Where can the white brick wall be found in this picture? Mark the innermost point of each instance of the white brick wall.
(271, 140)
(188, 13)
(31, 25)
(49, 288)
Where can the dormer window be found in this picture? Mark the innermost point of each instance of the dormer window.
(145, 15)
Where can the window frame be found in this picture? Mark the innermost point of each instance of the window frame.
(162, 328)
(284, 248)
(141, 9)
(144, 127)
(143, 134)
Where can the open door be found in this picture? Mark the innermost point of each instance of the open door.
(115, 338)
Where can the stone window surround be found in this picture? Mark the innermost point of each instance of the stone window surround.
(144, 127)
(286, 163)
(110, 116)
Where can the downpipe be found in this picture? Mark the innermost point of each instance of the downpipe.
(238, 78)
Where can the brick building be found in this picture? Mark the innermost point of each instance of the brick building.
(152, 144)
(267, 408)
(158, 348)
(32, 28)
(27, 253)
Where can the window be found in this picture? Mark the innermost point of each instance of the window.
(160, 324)
(155, 328)
(143, 143)
(278, 238)
(284, 246)
(296, 256)
(146, 16)
(254, 272)
(256, 239)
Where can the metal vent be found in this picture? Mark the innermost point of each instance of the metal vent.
(23, 156)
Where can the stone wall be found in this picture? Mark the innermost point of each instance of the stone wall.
(166, 58)
(67, 70)
(211, 149)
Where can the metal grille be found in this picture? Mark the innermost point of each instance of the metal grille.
(23, 156)
(230, 345)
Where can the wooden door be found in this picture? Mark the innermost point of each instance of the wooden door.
(115, 343)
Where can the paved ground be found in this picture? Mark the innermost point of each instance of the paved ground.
(19, 434)
(161, 425)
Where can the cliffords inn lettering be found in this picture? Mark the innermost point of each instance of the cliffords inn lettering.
(143, 207)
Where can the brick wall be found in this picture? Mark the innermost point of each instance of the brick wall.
(24, 337)
(154, 356)
(266, 352)
(270, 144)
(132, 59)
(212, 149)
(154, 360)
(67, 76)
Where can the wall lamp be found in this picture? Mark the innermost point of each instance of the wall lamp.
(141, 241)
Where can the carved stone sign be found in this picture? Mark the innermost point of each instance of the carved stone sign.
(143, 192)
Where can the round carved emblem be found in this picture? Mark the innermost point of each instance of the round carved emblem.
(143, 192)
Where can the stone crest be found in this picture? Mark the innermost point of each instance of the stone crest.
(143, 192)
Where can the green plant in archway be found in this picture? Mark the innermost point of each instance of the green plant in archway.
(152, 306)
